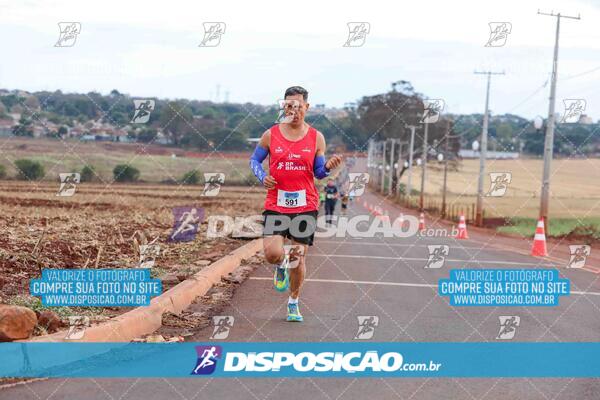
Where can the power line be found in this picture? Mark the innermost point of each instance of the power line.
(580, 74)
(539, 89)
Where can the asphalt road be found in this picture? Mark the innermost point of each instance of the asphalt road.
(386, 278)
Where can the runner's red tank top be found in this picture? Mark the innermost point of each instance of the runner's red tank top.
(291, 164)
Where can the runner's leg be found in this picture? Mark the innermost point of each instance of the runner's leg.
(275, 254)
(297, 274)
(273, 248)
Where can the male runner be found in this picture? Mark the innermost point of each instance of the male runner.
(331, 196)
(296, 156)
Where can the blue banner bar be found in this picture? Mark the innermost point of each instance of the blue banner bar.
(299, 359)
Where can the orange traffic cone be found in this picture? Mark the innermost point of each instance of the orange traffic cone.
(539, 240)
(422, 222)
(462, 228)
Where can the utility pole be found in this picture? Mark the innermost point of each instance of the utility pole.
(400, 144)
(411, 149)
(392, 144)
(483, 149)
(370, 159)
(423, 165)
(549, 140)
(369, 156)
(383, 169)
(447, 138)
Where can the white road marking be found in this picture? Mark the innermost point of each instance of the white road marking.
(350, 242)
(425, 259)
(405, 284)
(261, 278)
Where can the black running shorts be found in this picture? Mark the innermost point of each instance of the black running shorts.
(299, 227)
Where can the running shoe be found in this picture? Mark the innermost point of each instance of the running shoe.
(281, 278)
(294, 313)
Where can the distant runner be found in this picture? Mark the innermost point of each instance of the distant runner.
(331, 196)
(345, 199)
(296, 156)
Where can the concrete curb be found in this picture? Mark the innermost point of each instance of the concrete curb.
(145, 320)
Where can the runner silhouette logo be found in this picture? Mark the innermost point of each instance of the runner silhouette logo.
(207, 359)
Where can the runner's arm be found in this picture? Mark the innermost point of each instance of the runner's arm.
(322, 168)
(258, 157)
(256, 160)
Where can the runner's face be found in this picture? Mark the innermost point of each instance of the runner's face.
(296, 106)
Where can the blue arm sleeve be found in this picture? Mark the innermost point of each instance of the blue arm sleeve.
(259, 155)
(319, 167)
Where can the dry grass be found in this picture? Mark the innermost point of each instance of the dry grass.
(96, 227)
(575, 192)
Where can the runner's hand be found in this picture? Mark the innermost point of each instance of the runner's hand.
(334, 162)
(269, 182)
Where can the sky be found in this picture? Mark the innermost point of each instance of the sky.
(151, 48)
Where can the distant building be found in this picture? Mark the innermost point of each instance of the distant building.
(490, 154)
(585, 119)
(161, 138)
(6, 126)
(76, 131)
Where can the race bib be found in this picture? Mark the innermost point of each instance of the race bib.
(329, 196)
(291, 199)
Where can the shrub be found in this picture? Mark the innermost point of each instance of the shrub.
(29, 169)
(88, 173)
(191, 177)
(126, 173)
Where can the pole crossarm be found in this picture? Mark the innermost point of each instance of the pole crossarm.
(559, 15)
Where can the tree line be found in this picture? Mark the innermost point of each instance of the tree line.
(209, 126)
